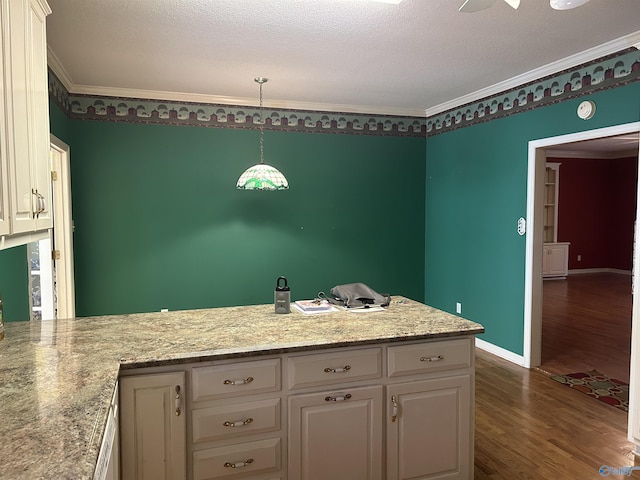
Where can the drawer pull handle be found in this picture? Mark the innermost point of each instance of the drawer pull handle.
(432, 359)
(178, 401)
(337, 398)
(394, 409)
(346, 368)
(40, 205)
(239, 423)
(239, 464)
(239, 382)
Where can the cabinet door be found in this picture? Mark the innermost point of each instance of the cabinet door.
(18, 107)
(555, 260)
(28, 117)
(108, 465)
(39, 111)
(4, 158)
(336, 435)
(428, 429)
(153, 427)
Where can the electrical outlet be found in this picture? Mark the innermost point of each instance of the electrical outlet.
(164, 310)
(458, 307)
(579, 258)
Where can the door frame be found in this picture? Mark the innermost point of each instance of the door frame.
(532, 344)
(63, 228)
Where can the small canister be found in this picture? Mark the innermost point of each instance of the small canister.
(282, 296)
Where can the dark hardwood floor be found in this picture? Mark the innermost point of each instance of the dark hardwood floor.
(586, 324)
(531, 427)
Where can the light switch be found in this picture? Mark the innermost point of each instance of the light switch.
(522, 226)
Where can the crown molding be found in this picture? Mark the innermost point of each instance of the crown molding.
(58, 69)
(44, 6)
(614, 46)
(74, 89)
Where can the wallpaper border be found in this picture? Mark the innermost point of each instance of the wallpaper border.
(605, 73)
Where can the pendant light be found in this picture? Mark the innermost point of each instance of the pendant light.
(262, 176)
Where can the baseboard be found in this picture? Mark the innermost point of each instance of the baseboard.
(500, 352)
(578, 271)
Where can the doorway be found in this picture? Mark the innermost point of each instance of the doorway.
(51, 259)
(586, 316)
(534, 249)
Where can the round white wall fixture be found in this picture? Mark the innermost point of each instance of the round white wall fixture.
(586, 109)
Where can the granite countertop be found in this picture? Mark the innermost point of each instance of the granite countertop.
(57, 377)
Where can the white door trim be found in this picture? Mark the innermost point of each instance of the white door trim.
(63, 229)
(532, 343)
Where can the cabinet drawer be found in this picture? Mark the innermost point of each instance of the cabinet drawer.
(231, 379)
(429, 357)
(236, 419)
(235, 460)
(335, 367)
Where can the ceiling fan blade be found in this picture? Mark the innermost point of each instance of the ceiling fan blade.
(513, 3)
(471, 6)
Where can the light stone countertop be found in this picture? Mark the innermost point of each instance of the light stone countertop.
(57, 377)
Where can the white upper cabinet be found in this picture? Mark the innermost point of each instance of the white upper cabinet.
(5, 226)
(25, 114)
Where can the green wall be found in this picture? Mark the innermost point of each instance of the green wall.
(14, 283)
(476, 189)
(159, 223)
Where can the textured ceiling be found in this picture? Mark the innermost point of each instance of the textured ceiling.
(347, 55)
(606, 147)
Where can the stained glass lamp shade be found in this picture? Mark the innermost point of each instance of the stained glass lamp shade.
(262, 176)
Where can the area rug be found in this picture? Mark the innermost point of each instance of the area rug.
(597, 385)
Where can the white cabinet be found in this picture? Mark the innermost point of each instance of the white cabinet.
(153, 427)
(5, 225)
(555, 260)
(427, 421)
(25, 112)
(430, 411)
(236, 420)
(428, 429)
(551, 189)
(247, 459)
(108, 466)
(393, 411)
(336, 434)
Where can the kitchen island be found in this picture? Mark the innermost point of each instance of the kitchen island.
(57, 378)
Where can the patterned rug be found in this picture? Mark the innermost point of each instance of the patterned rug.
(597, 385)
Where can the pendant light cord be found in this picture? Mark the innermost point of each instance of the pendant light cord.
(261, 125)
